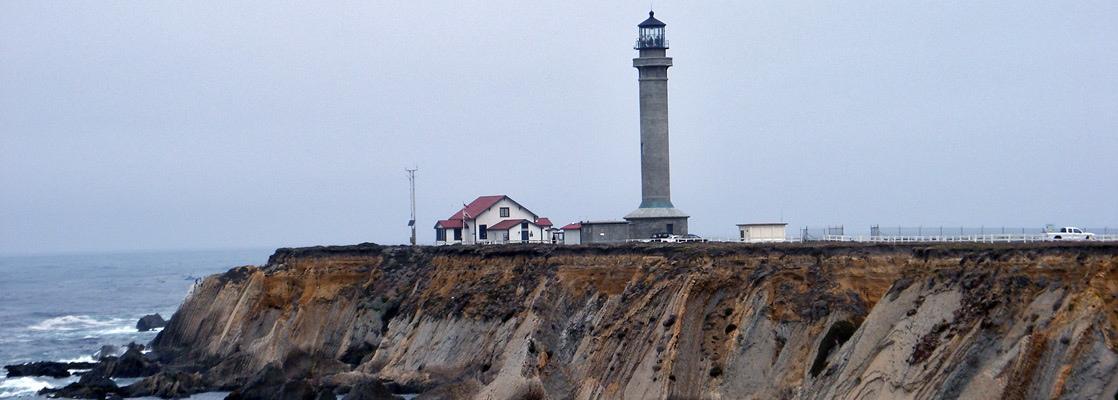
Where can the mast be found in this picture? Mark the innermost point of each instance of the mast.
(411, 181)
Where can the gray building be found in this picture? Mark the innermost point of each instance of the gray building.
(603, 231)
(656, 213)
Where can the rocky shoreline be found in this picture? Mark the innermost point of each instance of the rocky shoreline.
(640, 321)
(96, 381)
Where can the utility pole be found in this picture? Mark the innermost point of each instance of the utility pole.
(411, 180)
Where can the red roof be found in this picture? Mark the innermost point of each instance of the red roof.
(477, 207)
(575, 225)
(543, 221)
(506, 224)
(449, 223)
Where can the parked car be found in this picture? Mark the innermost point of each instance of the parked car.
(664, 237)
(1069, 233)
(691, 237)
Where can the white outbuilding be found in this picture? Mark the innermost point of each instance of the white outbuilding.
(772, 232)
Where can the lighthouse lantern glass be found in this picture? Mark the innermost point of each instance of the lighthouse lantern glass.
(651, 37)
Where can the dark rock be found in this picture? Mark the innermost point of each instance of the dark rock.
(899, 286)
(297, 364)
(296, 390)
(326, 395)
(370, 390)
(463, 390)
(132, 364)
(264, 384)
(149, 322)
(45, 368)
(168, 385)
(396, 387)
(358, 354)
(90, 386)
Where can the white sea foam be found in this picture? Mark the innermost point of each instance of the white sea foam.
(85, 359)
(91, 327)
(117, 330)
(67, 323)
(22, 386)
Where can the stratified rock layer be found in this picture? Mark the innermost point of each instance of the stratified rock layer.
(666, 321)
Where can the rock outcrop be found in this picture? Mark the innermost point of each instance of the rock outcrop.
(167, 385)
(662, 321)
(46, 368)
(89, 386)
(131, 364)
(149, 322)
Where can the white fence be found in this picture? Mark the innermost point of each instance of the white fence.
(496, 242)
(988, 238)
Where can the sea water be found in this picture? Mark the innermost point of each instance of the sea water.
(64, 307)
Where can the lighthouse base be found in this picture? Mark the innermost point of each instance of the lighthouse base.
(645, 222)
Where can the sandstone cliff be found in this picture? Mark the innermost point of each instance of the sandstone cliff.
(701, 321)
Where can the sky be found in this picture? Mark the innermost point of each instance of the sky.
(212, 124)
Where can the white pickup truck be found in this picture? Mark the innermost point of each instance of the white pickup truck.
(1069, 233)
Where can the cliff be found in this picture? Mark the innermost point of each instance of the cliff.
(710, 321)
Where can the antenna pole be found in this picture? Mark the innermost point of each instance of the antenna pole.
(411, 180)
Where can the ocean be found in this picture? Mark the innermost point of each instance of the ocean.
(64, 307)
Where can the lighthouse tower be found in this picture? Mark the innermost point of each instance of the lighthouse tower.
(656, 213)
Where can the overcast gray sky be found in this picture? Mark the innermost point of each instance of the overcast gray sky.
(179, 125)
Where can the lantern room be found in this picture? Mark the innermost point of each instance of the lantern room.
(651, 34)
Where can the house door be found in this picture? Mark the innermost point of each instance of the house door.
(524, 236)
(671, 229)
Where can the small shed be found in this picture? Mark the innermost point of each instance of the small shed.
(572, 233)
(770, 232)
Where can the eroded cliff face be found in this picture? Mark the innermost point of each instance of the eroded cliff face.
(656, 321)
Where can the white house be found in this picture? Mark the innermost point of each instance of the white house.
(763, 232)
(492, 219)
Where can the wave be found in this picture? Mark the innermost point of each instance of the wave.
(119, 330)
(85, 359)
(67, 323)
(91, 325)
(28, 385)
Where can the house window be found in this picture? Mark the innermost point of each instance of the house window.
(523, 225)
(458, 234)
(504, 212)
(440, 234)
(481, 231)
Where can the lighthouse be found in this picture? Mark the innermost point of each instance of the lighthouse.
(656, 213)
